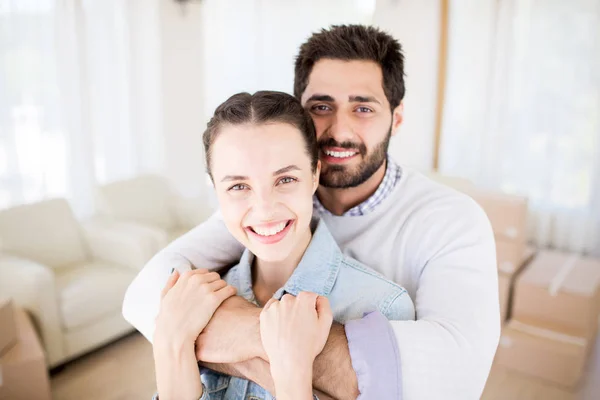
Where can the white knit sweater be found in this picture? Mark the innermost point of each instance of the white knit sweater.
(434, 241)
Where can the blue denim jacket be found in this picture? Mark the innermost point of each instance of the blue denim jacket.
(352, 288)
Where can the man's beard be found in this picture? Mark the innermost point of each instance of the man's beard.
(344, 177)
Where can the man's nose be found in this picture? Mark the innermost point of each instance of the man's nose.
(341, 128)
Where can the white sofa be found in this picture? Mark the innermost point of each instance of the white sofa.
(150, 203)
(70, 277)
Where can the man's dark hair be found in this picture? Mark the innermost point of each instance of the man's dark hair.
(354, 42)
(262, 108)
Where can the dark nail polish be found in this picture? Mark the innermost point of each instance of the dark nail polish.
(172, 269)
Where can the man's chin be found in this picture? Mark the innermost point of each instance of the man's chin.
(337, 182)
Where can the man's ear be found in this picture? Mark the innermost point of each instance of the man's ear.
(316, 176)
(397, 117)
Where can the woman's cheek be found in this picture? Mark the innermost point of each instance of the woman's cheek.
(300, 202)
(233, 212)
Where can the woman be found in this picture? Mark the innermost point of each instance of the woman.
(262, 157)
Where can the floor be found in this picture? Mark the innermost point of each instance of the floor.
(124, 370)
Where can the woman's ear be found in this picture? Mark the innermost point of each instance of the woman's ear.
(316, 176)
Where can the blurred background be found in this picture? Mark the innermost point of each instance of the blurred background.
(102, 108)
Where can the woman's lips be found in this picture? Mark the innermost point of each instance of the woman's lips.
(271, 239)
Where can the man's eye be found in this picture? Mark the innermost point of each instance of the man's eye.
(364, 110)
(321, 107)
(239, 186)
(287, 179)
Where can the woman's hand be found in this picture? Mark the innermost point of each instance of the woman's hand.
(293, 332)
(188, 302)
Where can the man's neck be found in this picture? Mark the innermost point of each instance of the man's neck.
(338, 201)
(270, 276)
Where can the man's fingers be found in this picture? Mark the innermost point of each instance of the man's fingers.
(170, 283)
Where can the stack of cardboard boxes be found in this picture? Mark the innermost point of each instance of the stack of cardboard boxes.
(508, 217)
(555, 318)
(23, 373)
(549, 300)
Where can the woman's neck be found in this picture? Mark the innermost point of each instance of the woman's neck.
(270, 276)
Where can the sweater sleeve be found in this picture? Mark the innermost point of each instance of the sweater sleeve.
(209, 245)
(448, 351)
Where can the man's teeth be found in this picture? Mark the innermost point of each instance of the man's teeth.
(340, 154)
(270, 231)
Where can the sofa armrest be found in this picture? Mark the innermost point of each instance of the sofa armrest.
(190, 212)
(127, 244)
(32, 286)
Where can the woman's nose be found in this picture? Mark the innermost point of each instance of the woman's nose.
(264, 205)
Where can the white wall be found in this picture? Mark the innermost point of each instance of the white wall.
(416, 24)
(251, 45)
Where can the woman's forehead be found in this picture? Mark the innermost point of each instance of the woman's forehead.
(259, 149)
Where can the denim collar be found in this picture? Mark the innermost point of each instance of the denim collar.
(316, 272)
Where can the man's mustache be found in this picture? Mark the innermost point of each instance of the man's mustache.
(331, 142)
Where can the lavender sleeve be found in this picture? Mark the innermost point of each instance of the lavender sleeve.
(375, 357)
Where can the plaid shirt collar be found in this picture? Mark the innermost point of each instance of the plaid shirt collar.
(393, 172)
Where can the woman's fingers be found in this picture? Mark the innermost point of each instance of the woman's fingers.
(216, 285)
(170, 283)
(225, 293)
(200, 276)
(324, 310)
(268, 304)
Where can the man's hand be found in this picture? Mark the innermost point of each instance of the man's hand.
(232, 335)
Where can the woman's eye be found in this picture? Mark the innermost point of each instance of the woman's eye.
(287, 179)
(239, 186)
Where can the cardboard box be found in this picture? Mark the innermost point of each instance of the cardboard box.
(8, 327)
(504, 294)
(507, 213)
(23, 367)
(549, 352)
(560, 288)
(510, 264)
(512, 256)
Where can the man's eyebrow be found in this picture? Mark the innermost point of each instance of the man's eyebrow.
(286, 169)
(234, 178)
(321, 97)
(363, 99)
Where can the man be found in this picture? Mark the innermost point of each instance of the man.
(435, 242)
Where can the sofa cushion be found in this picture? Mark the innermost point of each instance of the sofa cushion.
(90, 292)
(146, 199)
(176, 234)
(46, 232)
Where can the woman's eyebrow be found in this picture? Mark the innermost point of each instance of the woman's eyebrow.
(234, 178)
(286, 169)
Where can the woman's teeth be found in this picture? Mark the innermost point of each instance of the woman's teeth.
(273, 230)
(340, 154)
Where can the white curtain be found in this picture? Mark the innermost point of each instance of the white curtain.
(79, 95)
(522, 110)
(251, 45)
